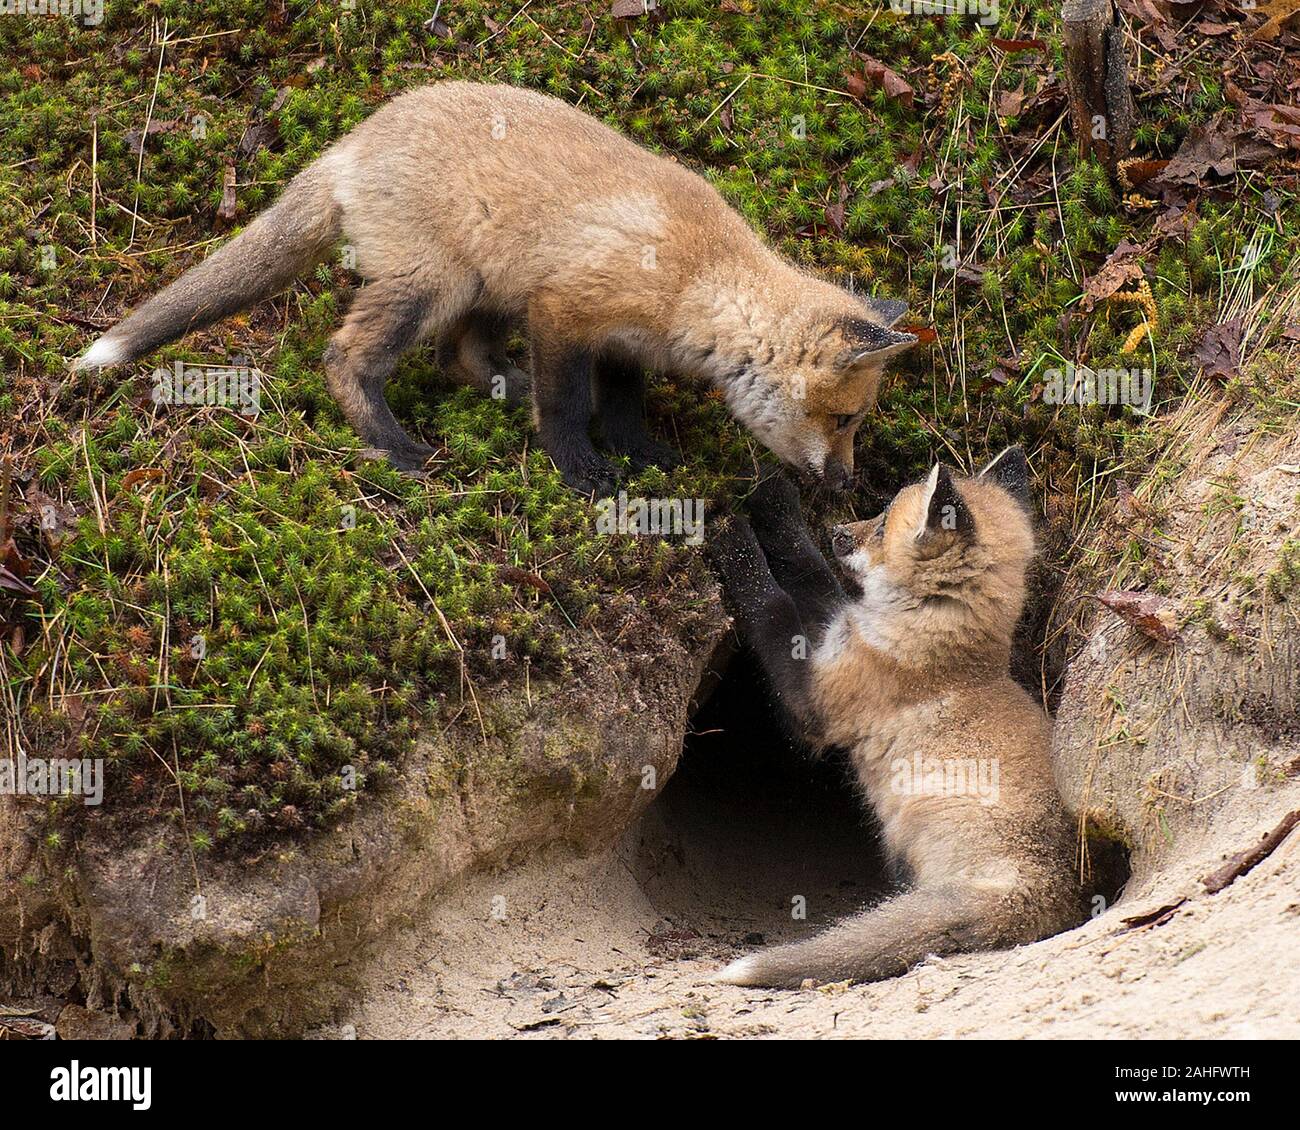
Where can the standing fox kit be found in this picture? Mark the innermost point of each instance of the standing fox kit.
(912, 678)
(473, 208)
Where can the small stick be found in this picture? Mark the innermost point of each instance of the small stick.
(6, 476)
(1244, 861)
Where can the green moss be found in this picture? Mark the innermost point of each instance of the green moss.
(265, 620)
(1282, 580)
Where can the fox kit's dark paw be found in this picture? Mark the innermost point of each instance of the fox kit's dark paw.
(775, 495)
(649, 453)
(774, 509)
(409, 456)
(406, 457)
(731, 545)
(589, 473)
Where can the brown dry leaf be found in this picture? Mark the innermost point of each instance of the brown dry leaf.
(1148, 613)
(26, 1029)
(881, 77)
(1220, 350)
(514, 575)
(1010, 102)
(1218, 148)
(1119, 270)
(835, 211)
(140, 475)
(1148, 13)
(1012, 46)
(1279, 13)
(1139, 172)
(1277, 122)
(135, 138)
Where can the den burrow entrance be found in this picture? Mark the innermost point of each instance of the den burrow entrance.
(753, 826)
(753, 829)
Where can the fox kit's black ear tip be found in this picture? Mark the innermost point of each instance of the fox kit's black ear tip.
(1010, 470)
(945, 508)
(866, 339)
(888, 310)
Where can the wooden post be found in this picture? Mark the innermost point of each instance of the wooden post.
(1096, 77)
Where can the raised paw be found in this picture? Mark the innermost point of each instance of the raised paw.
(740, 563)
(775, 512)
(731, 544)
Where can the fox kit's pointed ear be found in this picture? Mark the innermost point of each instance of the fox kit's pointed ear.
(1010, 471)
(864, 340)
(945, 509)
(888, 310)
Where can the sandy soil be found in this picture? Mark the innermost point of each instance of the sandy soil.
(622, 945)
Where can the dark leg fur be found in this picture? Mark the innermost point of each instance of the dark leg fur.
(792, 553)
(381, 325)
(472, 351)
(768, 621)
(620, 402)
(562, 377)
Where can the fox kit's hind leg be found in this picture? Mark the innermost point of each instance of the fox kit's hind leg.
(383, 323)
(620, 405)
(562, 376)
(472, 351)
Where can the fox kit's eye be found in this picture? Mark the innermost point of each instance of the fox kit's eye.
(842, 423)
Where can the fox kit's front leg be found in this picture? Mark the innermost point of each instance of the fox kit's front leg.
(562, 376)
(768, 621)
(792, 553)
(620, 406)
(472, 350)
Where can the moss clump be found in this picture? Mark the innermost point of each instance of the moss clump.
(1282, 580)
(244, 615)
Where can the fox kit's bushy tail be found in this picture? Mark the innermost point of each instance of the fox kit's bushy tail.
(879, 943)
(282, 242)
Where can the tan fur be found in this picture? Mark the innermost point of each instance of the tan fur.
(917, 669)
(460, 197)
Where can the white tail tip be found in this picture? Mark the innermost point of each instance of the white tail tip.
(101, 355)
(738, 972)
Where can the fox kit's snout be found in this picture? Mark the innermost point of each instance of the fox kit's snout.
(808, 400)
(613, 260)
(911, 676)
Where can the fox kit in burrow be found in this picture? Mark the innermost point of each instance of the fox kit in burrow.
(911, 677)
(473, 208)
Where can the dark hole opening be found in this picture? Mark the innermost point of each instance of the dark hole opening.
(751, 821)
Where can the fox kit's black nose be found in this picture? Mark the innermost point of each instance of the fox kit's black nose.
(842, 542)
(836, 475)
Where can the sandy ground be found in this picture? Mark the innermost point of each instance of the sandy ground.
(622, 945)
